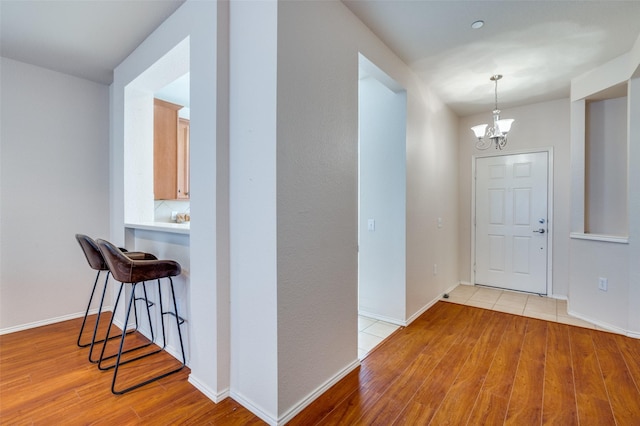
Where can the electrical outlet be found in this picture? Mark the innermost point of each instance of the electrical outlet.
(174, 215)
(603, 284)
(435, 269)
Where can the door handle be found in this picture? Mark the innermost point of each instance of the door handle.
(540, 231)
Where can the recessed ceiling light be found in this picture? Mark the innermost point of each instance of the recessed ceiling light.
(477, 24)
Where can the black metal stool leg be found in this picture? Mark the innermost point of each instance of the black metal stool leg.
(153, 379)
(115, 307)
(86, 313)
(151, 342)
(126, 321)
(179, 322)
(164, 333)
(148, 304)
(95, 329)
(94, 341)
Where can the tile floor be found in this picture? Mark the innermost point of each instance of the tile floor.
(372, 332)
(528, 305)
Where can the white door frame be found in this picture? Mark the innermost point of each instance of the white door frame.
(550, 221)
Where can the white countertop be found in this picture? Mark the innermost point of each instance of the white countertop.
(175, 228)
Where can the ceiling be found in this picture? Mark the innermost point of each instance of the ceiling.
(84, 38)
(537, 45)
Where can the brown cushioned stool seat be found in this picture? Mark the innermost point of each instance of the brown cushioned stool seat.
(133, 272)
(96, 261)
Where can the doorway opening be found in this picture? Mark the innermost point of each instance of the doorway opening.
(382, 117)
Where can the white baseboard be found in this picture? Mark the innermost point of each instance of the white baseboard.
(633, 334)
(49, 321)
(421, 311)
(604, 325)
(240, 399)
(207, 391)
(292, 412)
(429, 304)
(382, 318)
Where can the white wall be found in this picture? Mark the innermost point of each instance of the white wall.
(317, 128)
(54, 184)
(254, 293)
(606, 167)
(633, 300)
(206, 25)
(314, 162)
(174, 247)
(432, 194)
(530, 130)
(592, 256)
(382, 190)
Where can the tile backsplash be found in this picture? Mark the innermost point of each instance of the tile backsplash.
(163, 209)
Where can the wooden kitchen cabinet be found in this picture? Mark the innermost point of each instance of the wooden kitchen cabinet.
(170, 152)
(183, 158)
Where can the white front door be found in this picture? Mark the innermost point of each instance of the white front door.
(511, 222)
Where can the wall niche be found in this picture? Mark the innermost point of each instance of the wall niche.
(606, 163)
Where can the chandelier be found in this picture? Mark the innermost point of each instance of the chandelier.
(497, 133)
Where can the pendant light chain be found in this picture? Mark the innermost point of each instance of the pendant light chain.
(495, 79)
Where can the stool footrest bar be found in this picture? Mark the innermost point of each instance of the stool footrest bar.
(180, 319)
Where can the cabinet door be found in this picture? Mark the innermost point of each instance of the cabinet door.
(183, 159)
(165, 150)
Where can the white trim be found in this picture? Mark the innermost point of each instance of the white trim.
(170, 227)
(50, 321)
(422, 310)
(208, 392)
(381, 318)
(291, 413)
(472, 227)
(633, 334)
(599, 237)
(255, 410)
(453, 287)
(604, 325)
(550, 221)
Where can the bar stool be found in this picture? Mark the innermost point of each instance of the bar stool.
(96, 262)
(134, 272)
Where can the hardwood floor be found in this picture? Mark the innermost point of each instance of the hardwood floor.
(462, 365)
(454, 365)
(45, 379)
